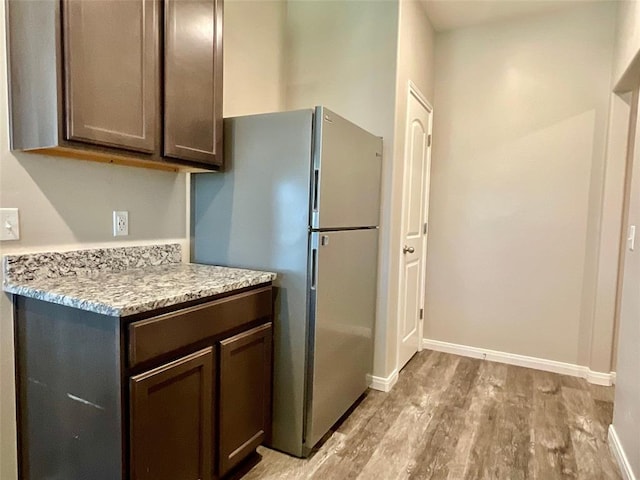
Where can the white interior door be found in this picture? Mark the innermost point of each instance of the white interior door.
(415, 214)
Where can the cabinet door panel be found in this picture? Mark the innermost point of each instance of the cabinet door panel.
(245, 394)
(171, 420)
(193, 80)
(111, 76)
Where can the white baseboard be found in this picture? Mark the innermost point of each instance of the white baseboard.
(381, 383)
(619, 455)
(597, 378)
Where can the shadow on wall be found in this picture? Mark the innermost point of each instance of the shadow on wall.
(82, 195)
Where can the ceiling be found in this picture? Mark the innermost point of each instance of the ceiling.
(451, 14)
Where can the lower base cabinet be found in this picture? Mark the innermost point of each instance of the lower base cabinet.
(178, 394)
(172, 406)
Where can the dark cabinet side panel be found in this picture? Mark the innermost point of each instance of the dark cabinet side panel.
(112, 72)
(68, 386)
(245, 395)
(171, 424)
(193, 80)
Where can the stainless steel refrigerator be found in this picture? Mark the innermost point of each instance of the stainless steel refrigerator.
(301, 198)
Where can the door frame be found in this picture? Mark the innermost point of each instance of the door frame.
(412, 89)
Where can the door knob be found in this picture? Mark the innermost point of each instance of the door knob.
(408, 249)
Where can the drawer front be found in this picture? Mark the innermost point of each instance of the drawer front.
(163, 334)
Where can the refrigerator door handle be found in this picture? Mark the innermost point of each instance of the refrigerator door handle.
(316, 184)
(314, 268)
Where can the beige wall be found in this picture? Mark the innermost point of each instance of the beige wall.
(342, 55)
(517, 177)
(253, 56)
(626, 412)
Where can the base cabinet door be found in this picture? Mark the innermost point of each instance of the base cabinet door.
(171, 420)
(245, 395)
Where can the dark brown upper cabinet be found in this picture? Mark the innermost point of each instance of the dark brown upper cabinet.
(136, 82)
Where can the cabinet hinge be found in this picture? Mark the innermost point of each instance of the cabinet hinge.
(421, 313)
(429, 140)
(425, 228)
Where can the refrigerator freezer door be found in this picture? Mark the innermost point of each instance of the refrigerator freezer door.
(342, 317)
(346, 176)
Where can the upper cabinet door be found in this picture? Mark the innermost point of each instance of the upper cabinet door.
(111, 74)
(193, 80)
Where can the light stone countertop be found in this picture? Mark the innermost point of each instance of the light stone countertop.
(139, 290)
(122, 292)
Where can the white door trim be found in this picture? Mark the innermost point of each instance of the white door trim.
(412, 90)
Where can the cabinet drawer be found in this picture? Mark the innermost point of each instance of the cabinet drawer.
(166, 333)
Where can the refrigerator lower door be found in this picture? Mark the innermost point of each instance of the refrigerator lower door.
(342, 317)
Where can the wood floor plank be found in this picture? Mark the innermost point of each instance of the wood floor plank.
(394, 456)
(457, 418)
(489, 386)
(364, 441)
(553, 451)
(510, 447)
(601, 393)
(435, 450)
(604, 412)
(589, 436)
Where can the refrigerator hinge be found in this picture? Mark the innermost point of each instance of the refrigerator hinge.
(429, 140)
(421, 313)
(425, 228)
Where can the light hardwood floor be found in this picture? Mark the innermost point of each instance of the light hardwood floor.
(457, 418)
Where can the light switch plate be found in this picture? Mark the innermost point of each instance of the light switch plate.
(9, 224)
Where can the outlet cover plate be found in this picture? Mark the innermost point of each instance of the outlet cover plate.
(9, 224)
(120, 223)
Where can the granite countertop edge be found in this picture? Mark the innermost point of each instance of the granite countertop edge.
(184, 292)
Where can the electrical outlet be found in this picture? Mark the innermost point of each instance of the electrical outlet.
(120, 224)
(9, 224)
